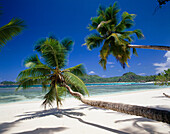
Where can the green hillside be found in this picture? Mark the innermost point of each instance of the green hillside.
(127, 77)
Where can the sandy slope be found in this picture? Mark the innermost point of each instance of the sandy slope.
(77, 118)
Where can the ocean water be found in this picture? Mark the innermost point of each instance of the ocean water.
(8, 93)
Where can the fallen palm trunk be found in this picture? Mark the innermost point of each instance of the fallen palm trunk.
(150, 113)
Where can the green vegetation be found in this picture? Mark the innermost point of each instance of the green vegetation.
(112, 34)
(127, 77)
(13, 28)
(8, 82)
(51, 70)
(163, 78)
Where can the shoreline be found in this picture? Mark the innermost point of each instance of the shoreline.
(76, 117)
(94, 96)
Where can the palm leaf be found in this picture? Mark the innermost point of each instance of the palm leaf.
(126, 22)
(67, 43)
(75, 83)
(36, 71)
(53, 52)
(78, 70)
(32, 61)
(49, 97)
(93, 41)
(13, 28)
(29, 81)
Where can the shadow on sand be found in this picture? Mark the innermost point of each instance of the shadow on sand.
(4, 127)
(141, 125)
(72, 113)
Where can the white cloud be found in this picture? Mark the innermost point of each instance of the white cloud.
(91, 72)
(110, 63)
(139, 64)
(112, 66)
(141, 74)
(163, 66)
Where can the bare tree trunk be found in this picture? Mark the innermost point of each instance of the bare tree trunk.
(150, 113)
(167, 48)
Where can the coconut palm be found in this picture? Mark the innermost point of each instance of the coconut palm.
(50, 69)
(114, 36)
(13, 28)
(164, 79)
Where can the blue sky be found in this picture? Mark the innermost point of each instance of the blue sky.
(70, 18)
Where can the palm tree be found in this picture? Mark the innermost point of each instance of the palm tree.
(52, 70)
(164, 79)
(13, 28)
(114, 35)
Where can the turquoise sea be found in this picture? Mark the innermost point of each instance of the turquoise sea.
(8, 93)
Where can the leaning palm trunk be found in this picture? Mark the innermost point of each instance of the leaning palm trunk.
(166, 95)
(150, 113)
(167, 48)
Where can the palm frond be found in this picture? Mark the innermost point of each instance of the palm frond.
(93, 41)
(126, 22)
(111, 13)
(103, 63)
(139, 33)
(52, 95)
(53, 52)
(49, 97)
(101, 11)
(135, 52)
(36, 71)
(95, 22)
(104, 52)
(29, 81)
(75, 83)
(13, 28)
(31, 61)
(78, 70)
(67, 43)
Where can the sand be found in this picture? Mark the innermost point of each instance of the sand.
(75, 117)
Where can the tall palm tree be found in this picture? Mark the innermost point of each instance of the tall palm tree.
(13, 28)
(51, 71)
(114, 35)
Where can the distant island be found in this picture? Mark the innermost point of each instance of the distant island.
(127, 77)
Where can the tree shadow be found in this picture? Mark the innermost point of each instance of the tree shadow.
(136, 123)
(162, 107)
(85, 106)
(71, 113)
(38, 114)
(44, 130)
(98, 126)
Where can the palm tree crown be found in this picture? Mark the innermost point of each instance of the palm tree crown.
(13, 28)
(112, 34)
(51, 70)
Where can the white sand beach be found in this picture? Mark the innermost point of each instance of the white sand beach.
(78, 118)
